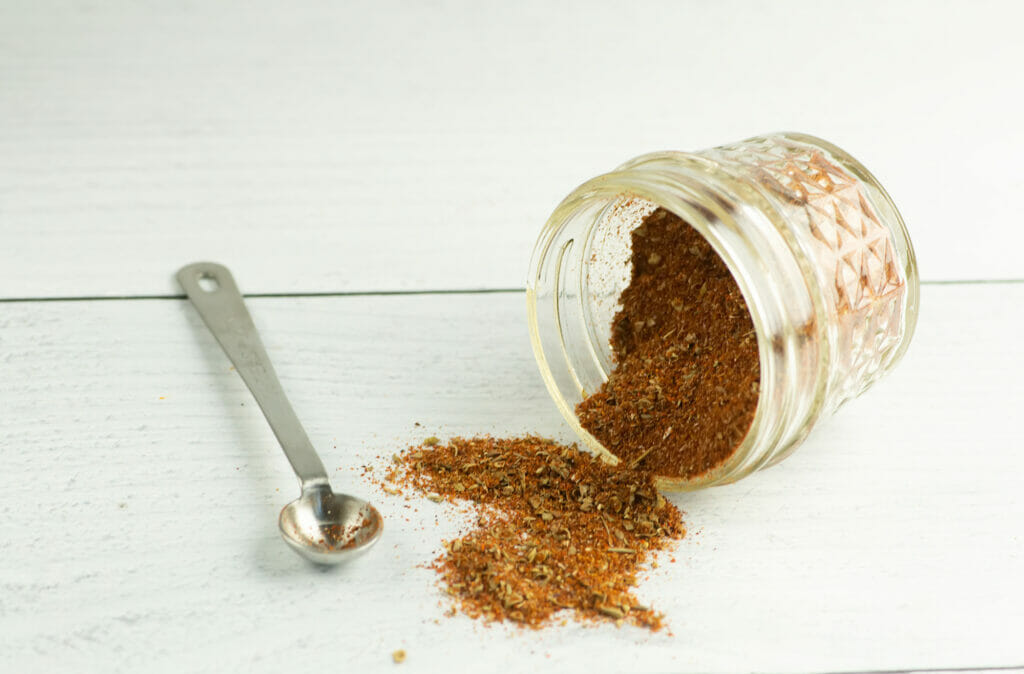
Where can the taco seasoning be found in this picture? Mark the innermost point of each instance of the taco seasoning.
(685, 384)
(558, 532)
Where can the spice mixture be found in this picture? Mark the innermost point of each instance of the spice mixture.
(684, 388)
(557, 528)
(340, 537)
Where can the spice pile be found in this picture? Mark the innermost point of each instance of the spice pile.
(557, 528)
(685, 385)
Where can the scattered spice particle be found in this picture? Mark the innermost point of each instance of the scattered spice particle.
(685, 385)
(398, 656)
(547, 518)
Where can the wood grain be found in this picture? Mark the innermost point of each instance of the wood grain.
(324, 146)
(140, 487)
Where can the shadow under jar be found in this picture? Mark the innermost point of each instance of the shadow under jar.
(814, 243)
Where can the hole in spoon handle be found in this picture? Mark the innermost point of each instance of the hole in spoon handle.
(207, 282)
(207, 278)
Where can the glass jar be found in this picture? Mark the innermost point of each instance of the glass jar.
(814, 242)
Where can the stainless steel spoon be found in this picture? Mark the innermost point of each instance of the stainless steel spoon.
(322, 526)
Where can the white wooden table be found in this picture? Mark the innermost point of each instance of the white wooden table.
(375, 175)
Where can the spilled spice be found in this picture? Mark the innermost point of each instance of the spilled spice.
(556, 529)
(684, 388)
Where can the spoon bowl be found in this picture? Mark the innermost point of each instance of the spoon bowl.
(329, 528)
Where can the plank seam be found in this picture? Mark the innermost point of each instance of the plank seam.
(992, 668)
(386, 293)
(354, 293)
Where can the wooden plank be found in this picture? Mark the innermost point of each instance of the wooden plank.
(379, 146)
(140, 489)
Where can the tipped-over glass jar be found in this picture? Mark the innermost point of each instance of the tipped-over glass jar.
(815, 245)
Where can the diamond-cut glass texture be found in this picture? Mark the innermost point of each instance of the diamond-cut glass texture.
(832, 219)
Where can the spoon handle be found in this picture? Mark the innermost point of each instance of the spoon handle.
(214, 294)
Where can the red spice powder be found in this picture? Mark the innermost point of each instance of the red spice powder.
(341, 537)
(685, 385)
(557, 529)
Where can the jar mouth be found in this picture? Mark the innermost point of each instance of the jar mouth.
(724, 224)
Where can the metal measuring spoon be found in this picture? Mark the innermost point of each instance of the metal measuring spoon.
(322, 526)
